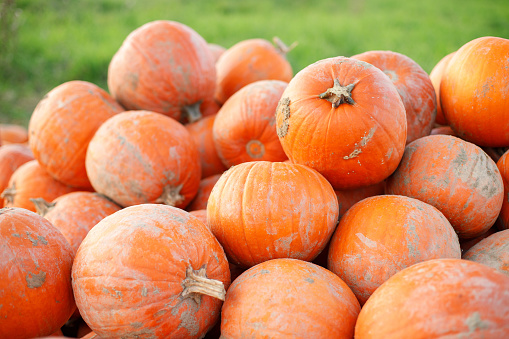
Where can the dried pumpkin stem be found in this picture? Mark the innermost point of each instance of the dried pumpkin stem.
(42, 207)
(171, 196)
(338, 94)
(9, 193)
(192, 112)
(197, 283)
(282, 47)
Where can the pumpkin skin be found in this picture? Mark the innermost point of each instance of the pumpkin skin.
(455, 176)
(12, 157)
(62, 125)
(492, 251)
(351, 144)
(141, 157)
(13, 134)
(261, 303)
(201, 132)
(31, 181)
(35, 266)
(248, 61)
(447, 130)
(503, 167)
(413, 85)
(438, 298)
(216, 50)
(381, 235)
(129, 271)
(244, 126)
(74, 214)
(348, 198)
(467, 244)
(264, 210)
(436, 77)
(202, 196)
(165, 67)
(473, 92)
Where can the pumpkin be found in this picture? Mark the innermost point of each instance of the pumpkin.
(436, 75)
(473, 92)
(62, 125)
(381, 235)
(413, 85)
(348, 198)
(216, 50)
(12, 157)
(201, 132)
(13, 134)
(165, 67)
(139, 157)
(244, 126)
(150, 269)
(201, 215)
(248, 61)
(31, 181)
(35, 266)
(288, 298)
(467, 244)
(202, 196)
(447, 130)
(492, 251)
(503, 167)
(438, 298)
(455, 176)
(74, 214)
(344, 118)
(263, 210)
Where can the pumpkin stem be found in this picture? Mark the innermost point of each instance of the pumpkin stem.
(9, 193)
(338, 94)
(42, 207)
(192, 112)
(171, 196)
(196, 283)
(282, 47)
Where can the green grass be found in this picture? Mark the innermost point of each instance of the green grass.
(54, 41)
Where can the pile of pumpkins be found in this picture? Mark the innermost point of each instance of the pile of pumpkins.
(212, 192)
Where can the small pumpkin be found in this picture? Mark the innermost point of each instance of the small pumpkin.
(414, 86)
(35, 266)
(13, 134)
(492, 251)
(150, 268)
(202, 196)
(289, 298)
(436, 75)
(12, 157)
(216, 50)
(344, 118)
(348, 198)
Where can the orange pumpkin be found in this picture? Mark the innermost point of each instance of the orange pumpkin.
(12, 157)
(150, 269)
(62, 125)
(455, 176)
(202, 196)
(248, 61)
(413, 85)
(473, 92)
(35, 266)
(264, 210)
(447, 130)
(467, 244)
(74, 214)
(31, 181)
(13, 134)
(201, 215)
(348, 198)
(244, 126)
(436, 77)
(201, 132)
(216, 50)
(492, 251)
(141, 157)
(288, 298)
(436, 299)
(344, 118)
(503, 166)
(381, 235)
(165, 67)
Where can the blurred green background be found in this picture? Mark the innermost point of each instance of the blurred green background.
(46, 43)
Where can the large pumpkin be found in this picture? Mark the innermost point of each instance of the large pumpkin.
(35, 266)
(492, 251)
(288, 298)
(381, 235)
(62, 125)
(141, 157)
(12, 157)
(413, 85)
(150, 270)
(244, 128)
(455, 176)
(264, 210)
(344, 118)
(248, 61)
(436, 77)
(165, 67)
(473, 92)
(437, 299)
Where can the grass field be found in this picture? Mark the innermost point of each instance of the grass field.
(46, 43)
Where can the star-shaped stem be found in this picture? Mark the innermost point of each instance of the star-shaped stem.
(338, 94)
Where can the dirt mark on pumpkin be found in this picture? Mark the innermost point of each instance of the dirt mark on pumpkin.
(284, 107)
(358, 146)
(35, 280)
